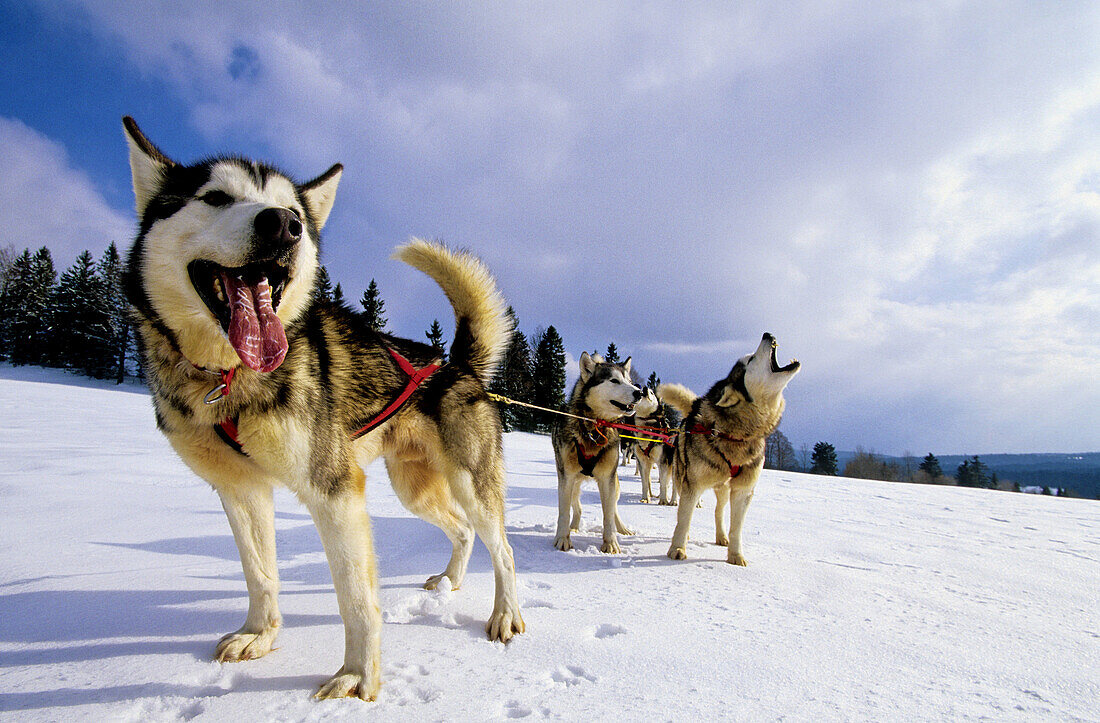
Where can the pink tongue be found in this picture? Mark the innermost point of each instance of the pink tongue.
(254, 330)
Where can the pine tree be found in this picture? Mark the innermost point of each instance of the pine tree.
(27, 304)
(110, 271)
(612, 356)
(513, 380)
(322, 291)
(653, 382)
(81, 338)
(963, 474)
(979, 473)
(374, 308)
(435, 338)
(13, 270)
(931, 466)
(548, 371)
(824, 459)
(338, 295)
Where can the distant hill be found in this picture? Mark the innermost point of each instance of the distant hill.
(1077, 472)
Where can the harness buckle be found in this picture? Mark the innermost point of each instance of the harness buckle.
(220, 390)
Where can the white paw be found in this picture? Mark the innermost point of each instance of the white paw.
(238, 646)
(611, 547)
(350, 685)
(505, 623)
(677, 553)
(737, 558)
(721, 540)
(433, 582)
(563, 543)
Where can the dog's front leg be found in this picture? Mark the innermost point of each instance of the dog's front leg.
(668, 495)
(689, 495)
(251, 513)
(609, 499)
(344, 527)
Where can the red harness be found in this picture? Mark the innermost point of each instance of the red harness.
(227, 428)
(735, 469)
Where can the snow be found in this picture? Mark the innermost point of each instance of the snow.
(864, 600)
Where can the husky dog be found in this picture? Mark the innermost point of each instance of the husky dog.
(583, 449)
(648, 412)
(257, 382)
(721, 446)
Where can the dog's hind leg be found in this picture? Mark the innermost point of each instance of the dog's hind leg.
(575, 520)
(251, 513)
(484, 505)
(344, 527)
(722, 498)
(644, 470)
(739, 504)
(568, 488)
(426, 493)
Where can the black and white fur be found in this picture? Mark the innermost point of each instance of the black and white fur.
(582, 450)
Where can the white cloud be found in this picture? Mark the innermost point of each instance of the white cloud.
(45, 201)
(908, 196)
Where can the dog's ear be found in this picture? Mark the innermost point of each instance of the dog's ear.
(320, 193)
(588, 365)
(730, 397)
(147, 165)
(626, 368)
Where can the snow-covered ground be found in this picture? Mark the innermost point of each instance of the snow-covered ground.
(863, 600)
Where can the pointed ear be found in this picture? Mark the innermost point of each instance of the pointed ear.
(320, 193)
(588, 365)
(626, 368)
(147, 165)
(730, 397)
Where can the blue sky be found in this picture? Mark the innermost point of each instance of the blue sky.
(907, 195)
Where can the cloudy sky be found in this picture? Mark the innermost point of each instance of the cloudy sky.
(906, 194)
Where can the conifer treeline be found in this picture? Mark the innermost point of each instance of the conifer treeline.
(77, 322)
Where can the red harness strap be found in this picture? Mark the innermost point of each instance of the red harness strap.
(416, 378)
(652, 432)
(735, 469)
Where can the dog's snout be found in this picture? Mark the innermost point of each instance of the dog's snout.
(278, 227)
(637, 394)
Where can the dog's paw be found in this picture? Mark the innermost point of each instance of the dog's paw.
(351, 685)
(433, 582)
(238, 646)
(677, 553)
(563, 543)
(505, 623)
(646, 499)
(663, 501)
(611, 547)
(720, 539)
(737, 559)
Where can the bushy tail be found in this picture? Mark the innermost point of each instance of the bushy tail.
(677, 396)
(482, 329)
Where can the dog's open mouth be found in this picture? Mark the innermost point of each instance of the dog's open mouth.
(628, 408)
(244, 300)
(776, 369)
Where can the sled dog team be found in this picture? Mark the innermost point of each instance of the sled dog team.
(256, 383)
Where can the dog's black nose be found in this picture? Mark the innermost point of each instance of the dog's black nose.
(637, 394)
(277, 228)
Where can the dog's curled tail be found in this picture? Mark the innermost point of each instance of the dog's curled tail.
(482, 328)
(677, 396)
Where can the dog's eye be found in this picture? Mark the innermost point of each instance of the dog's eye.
(216, 198)
(615, 381)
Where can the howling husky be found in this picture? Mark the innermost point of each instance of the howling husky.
(721, 445)
(256, 382)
